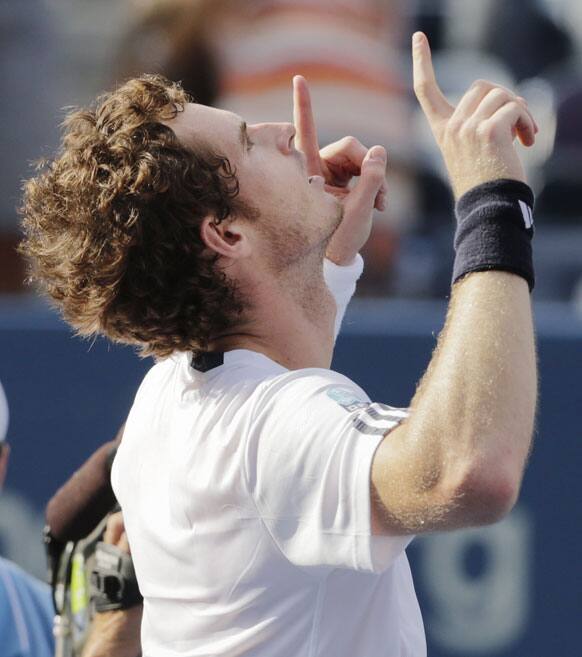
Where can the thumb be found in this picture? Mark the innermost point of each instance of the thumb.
(372, 177)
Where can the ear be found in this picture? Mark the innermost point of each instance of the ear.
(228, 238)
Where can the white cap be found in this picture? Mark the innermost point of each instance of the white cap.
(3, 415)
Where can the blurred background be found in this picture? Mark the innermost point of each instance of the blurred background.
(514, 590)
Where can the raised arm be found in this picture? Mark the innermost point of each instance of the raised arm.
(459, 459)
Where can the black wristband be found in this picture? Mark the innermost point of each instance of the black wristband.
(495, 229)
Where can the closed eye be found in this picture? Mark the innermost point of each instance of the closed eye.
(246, 141)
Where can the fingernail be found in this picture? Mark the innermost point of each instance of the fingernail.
(417, 38)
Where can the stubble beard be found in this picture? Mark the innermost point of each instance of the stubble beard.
(290, 248)
(298, 267)
(297, 261)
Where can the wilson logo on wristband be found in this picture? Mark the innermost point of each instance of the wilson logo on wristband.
(526, 214)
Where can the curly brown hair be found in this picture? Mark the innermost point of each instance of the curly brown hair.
(112, 224)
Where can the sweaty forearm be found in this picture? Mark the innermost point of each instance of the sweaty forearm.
(475, 406)
(459, 458)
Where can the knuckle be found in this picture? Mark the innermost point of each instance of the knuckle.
(501, 94)
(522, 101)
(481, 85)
(515, 110)
(459, 128)
(478, 131)
(350, 141)
(456, 125)
(486, 130)
(466, 129)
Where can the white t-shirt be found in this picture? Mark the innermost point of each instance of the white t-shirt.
(246, 498)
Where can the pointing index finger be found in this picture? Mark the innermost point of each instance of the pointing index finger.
(306, 132)
(431, 98)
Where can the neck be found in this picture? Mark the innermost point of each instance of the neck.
(290, 320)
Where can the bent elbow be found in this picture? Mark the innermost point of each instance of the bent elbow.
(486, 498)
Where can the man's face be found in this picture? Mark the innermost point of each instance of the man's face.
(297, 215)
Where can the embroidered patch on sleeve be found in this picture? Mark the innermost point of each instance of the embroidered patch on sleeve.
(346, 399)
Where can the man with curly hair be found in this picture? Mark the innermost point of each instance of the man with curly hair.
(267, 500)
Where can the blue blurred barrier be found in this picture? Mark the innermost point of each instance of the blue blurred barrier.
(511, 590)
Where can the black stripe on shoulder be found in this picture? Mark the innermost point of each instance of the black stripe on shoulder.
(204, 361)
(371, 430)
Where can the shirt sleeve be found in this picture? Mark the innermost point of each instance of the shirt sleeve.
(309, 457)
(341, 281)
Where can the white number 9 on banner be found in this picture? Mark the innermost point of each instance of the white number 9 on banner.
(478, 614)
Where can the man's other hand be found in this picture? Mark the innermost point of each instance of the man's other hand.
(338, 163)
(115, 633)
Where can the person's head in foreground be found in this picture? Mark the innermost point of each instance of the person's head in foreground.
(163, 223)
